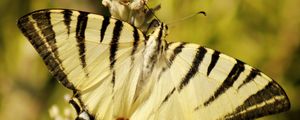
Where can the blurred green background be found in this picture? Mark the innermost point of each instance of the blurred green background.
(262, 33)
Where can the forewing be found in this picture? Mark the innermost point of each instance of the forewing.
(92, 55)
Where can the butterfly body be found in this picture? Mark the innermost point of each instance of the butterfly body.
(117, 72)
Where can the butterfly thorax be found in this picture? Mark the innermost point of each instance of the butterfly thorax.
(154, 49)
(152, 53)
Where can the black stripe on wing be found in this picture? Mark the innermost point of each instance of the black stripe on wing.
(114, 42)
(176, 51)
(136, 38)
(234, 74)
(194, 68)
(80, 37)
(67, 19)
(105, 23)
(214, 58)
(168, 96)
(114, 45)
(253, 73)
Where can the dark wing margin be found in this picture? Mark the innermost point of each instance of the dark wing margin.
(267, 101)
(37, 27)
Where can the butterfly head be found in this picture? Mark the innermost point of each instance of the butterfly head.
(157, 28)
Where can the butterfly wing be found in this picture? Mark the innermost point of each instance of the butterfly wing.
(201, 83)
(100, 60)
(92, 55)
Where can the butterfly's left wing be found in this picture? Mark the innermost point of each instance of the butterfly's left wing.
(95, 56)
(201, 83)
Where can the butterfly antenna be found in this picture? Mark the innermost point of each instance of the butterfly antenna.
(151, 11)
(187, 17)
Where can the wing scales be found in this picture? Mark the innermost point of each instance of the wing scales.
(223, 87)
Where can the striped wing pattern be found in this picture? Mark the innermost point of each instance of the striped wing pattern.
(89, 54)
(207, 84)
(101, 60)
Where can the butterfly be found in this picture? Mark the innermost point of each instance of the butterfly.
(116, 72)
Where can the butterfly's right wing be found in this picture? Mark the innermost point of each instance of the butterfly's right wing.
(201, 83)
(97, 57)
